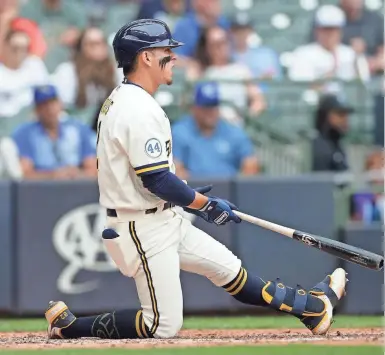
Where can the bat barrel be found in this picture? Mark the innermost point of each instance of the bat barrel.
(344, 251)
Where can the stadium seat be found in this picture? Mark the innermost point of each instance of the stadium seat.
(173, 100)
(9, 124)
(118, 15)
(85, 115)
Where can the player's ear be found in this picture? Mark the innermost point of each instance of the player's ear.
(147, 58)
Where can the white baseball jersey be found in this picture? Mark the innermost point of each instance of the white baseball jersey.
(134, 139)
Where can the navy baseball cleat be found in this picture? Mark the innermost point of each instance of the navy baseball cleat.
(330, 291)
(58, 317)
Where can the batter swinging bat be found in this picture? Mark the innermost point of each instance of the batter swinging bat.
(344, 251)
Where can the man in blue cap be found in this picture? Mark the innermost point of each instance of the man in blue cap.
(54, 146)
(204, 145)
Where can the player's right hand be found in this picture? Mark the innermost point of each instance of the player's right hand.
(219, 211)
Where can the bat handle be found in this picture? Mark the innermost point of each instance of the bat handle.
(288, 232)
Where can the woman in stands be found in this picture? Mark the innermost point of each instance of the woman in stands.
(90, 77)
(236, 89)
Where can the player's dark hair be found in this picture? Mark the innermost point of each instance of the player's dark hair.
(128, 69)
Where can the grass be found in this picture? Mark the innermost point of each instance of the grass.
(241, 350)
(278, 322)
(255, 322)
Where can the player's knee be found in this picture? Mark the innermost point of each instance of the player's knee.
(169, 326)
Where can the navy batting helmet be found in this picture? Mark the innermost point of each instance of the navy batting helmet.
(139, 35)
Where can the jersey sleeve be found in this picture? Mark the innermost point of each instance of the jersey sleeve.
(146, 143)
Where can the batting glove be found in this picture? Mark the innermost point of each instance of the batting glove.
(218, 211)
(214, 207)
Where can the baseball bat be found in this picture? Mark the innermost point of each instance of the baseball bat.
(341, 250)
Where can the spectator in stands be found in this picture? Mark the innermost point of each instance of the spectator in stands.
(327, 57)
(169, 11)
(61, 22)
(206, 146)
(375, 163)
(9, 160)
(206, 13)
(368, 201)
(238, 94)
(364, 32)
(262, 61)
(55, 146)
(92, 74)
(10, 21)
(331, 121)
(19, 72)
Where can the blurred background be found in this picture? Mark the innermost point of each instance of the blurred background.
(279, 103)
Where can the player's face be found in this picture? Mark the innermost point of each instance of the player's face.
(164, 61)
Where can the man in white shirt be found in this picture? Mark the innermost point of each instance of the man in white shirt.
(327, 57)
(19, 73)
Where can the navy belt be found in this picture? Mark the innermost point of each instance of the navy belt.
(112, 212)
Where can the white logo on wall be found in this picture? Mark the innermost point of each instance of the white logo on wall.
(77, 239)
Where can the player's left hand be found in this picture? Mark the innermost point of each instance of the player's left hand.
(203, 214)
(218, 211)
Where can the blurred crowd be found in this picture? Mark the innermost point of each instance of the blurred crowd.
(56, 58)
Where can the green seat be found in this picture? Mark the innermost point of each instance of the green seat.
(85, 115)
(173, 100)
(286, 108)
(361, 122)
(118, 15)
(270, 7)
(9, 124)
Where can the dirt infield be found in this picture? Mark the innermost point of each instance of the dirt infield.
(193, 338)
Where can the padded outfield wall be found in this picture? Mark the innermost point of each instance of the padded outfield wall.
(51, 246)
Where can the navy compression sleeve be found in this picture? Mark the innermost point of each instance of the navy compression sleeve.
(169, 187)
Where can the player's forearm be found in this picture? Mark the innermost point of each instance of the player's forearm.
(199, 201)
(170, 188)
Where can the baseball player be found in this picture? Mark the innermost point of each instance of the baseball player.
(145, 235)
